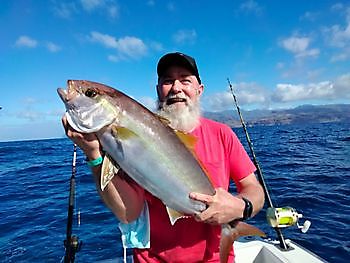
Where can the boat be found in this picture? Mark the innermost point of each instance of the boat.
(259, 250)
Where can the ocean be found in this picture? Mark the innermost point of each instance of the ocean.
(305, 166)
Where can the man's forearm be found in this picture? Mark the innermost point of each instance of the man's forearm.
(124, 199)
(253, 191)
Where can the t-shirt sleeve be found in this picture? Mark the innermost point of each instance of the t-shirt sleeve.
(240, 164)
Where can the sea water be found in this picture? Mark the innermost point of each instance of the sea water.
(305, 166)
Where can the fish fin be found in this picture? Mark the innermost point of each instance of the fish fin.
(122, 132)
(190, 141)
(187, 139)
(163, 120)
(108, 170)
(228, 236)
(245, 229)
(173, 215)
(230, 233)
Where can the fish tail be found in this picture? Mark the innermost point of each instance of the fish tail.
(230, 233)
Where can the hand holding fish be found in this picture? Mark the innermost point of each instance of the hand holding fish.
(87, 142)
(222, 207)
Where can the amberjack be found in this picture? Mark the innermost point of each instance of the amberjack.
(141, 143)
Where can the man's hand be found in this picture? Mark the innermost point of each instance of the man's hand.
(88, 142)
(223, 207)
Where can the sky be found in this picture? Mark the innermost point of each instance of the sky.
(277, 54)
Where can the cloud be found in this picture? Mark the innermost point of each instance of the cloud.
(108, 6)
(246, 93)
(253, 95)
(113, 11)
(310, 16)
(340, 56)
(104, 39)
(68, 10)
(291, 92)
(338, 36)
(156, 46)
(149, 103)
(132, 47)
(185, 36)
(326, 90)
(25, 41)
(52, 47)
(126, 47)
(299, 46)
(342, 86)
(251, 6)
(28, 42)
(90, 5)
(64, 10)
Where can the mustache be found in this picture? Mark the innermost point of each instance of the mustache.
(173, 98)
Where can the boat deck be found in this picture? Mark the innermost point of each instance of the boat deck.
(249, 250)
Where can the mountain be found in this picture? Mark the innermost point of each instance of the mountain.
(299, 115)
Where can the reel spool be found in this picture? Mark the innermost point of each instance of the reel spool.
(284, 217)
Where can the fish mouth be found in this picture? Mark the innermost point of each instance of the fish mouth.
(69, 93)
(62, 93)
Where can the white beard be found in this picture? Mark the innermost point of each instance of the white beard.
(183, 119)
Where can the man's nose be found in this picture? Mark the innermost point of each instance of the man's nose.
(176, 87)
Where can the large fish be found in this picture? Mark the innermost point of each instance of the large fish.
(143, 145)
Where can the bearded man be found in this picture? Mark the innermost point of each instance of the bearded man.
(191, 238)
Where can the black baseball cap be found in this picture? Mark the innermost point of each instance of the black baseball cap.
(178, 59)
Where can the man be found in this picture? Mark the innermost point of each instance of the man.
(190, 239)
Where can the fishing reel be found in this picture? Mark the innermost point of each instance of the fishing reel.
(284, 217)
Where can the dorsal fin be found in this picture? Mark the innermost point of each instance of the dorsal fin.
(163, 119)
(190, 142)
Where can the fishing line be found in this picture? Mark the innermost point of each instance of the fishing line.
(259, 173)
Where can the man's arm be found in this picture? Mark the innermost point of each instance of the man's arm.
(124, 197)
(253, 191)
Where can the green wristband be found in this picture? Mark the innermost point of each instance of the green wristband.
(95, 162)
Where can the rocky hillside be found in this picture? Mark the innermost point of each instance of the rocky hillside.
(298, 115)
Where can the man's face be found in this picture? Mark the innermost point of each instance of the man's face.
(178, 98)
(177, 86)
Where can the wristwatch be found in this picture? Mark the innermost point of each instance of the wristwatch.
(247, 213)
(248, 209)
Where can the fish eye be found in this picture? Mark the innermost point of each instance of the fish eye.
(90, 93)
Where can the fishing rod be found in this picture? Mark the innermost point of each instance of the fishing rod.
(72, 243)
(281, 239)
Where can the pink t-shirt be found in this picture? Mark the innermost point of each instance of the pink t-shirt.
(224, 157)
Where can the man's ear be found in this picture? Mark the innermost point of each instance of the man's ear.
(200, 89)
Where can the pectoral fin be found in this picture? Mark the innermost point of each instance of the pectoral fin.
(108, 170)
(122, 132)
(173, 215)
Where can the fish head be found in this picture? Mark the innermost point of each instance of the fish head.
(88, 105)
